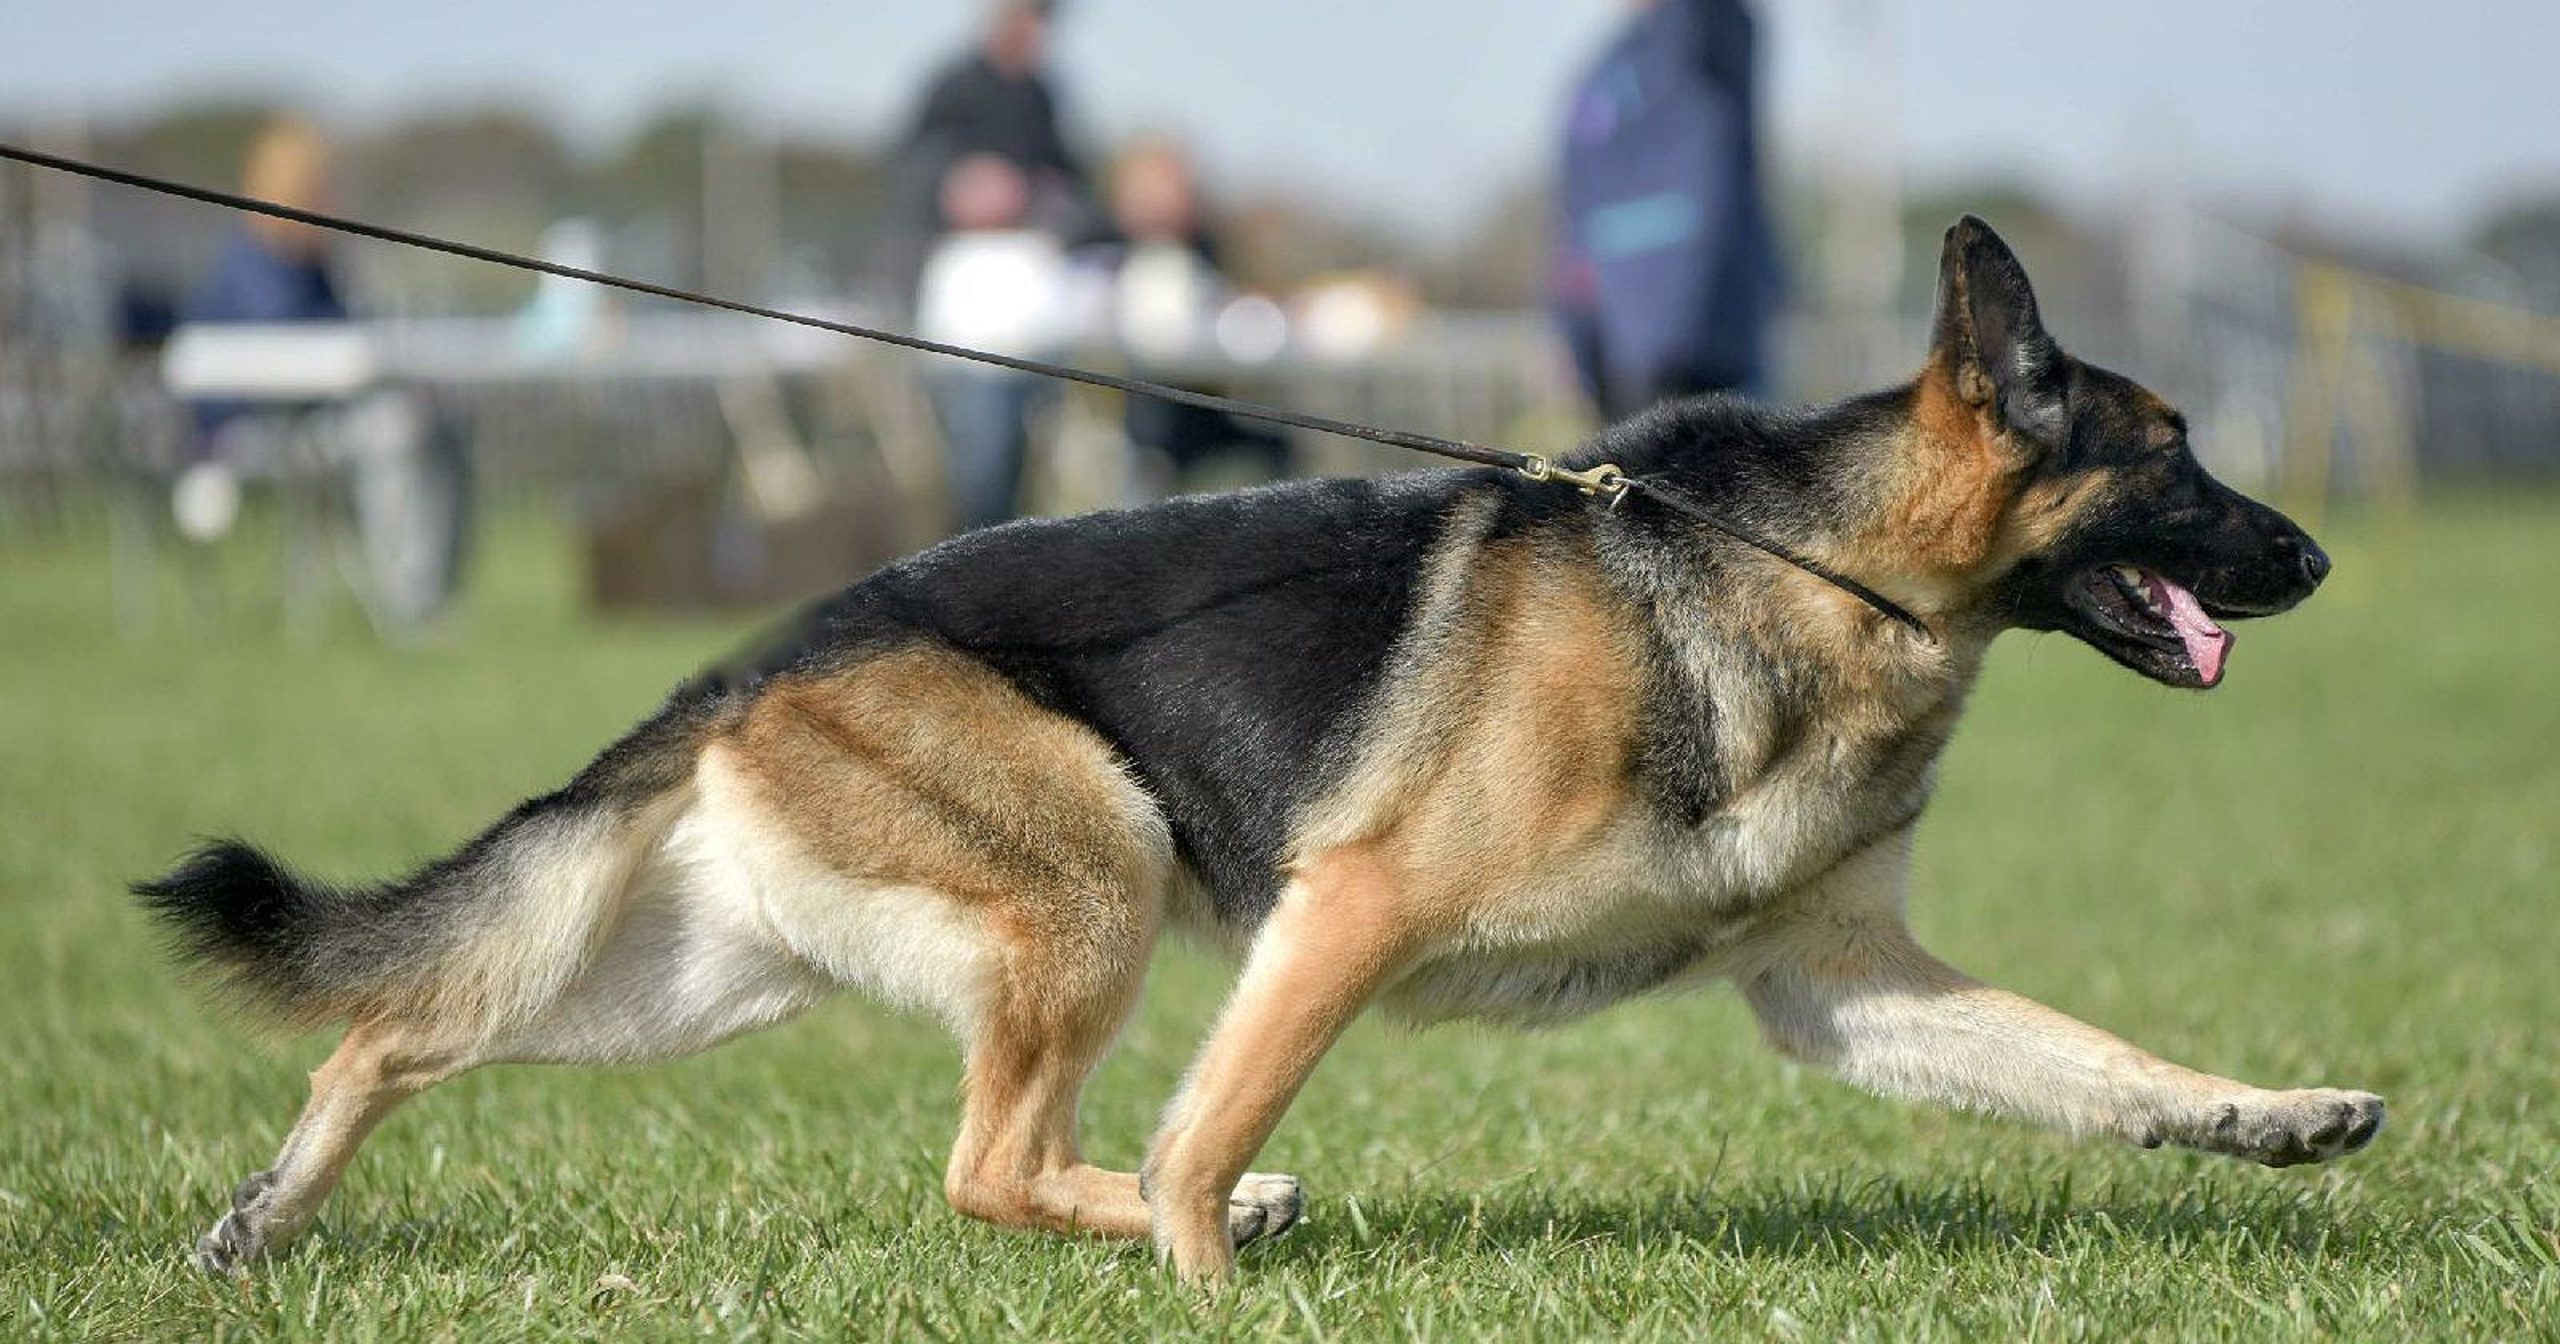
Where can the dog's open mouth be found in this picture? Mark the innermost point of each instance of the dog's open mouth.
(2152, 624)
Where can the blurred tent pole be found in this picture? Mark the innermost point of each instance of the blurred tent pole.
(1861, 250)
(59, 352)
(741, 206)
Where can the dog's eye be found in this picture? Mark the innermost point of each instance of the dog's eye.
(2177, 496)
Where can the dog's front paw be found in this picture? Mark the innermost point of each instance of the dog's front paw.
(1263, 1206)
(2284, 1129)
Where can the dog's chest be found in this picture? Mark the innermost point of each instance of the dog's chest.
(1657, 899)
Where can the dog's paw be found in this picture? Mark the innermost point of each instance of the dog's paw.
(2285, 1129)
(1263, 1206)
(240, 1237)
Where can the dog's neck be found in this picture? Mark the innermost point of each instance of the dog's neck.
(1773, 664)
(1877, 487)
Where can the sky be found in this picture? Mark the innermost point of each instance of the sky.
(2374, 118)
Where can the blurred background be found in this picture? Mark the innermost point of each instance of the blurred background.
(342, 546)
(2331, 233)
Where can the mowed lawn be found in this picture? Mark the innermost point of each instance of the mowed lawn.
(2343, 869)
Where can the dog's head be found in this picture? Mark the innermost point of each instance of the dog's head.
(2062, 496)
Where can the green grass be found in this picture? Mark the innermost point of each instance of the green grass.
(2340, 869)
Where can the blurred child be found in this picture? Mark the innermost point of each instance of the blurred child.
(1166, 293)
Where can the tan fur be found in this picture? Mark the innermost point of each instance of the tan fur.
(921, 769)
(1957, 480)
(1342, 928)
(1497, 778)
(376, 1066)
(1510, 749)
(922, 766)
(1965, 502)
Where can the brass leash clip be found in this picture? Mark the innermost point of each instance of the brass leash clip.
(1603, 482)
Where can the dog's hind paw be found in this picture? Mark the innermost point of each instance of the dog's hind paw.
(2285, 1129)
(1263, 1206)
(240, 1236)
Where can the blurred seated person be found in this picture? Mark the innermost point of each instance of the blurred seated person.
(270, 270)
(1165, 295)
(408, 475)
(991, 282)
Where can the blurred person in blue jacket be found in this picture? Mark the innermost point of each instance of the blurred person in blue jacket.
(1665, 274)
(270, 270)
(407, 470)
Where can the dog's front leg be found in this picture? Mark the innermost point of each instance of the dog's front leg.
(1842, 984)
(1336, 936)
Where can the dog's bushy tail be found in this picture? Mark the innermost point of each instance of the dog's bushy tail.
(231, 906)
(490, 933)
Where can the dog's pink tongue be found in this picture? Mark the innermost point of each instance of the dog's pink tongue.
(2207, 644)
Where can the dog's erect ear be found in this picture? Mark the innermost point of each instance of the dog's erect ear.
(1988, 339)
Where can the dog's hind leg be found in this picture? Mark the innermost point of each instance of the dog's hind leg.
(375, 1068)
(680, 962)
(1044, 1023)
(920, 830)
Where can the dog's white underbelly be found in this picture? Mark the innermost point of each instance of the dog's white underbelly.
(728, 926)
(1553, 983)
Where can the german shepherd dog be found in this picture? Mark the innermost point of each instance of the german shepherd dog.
(1455, 743)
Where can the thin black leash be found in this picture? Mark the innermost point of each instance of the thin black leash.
(1603, 482)
(1679, 502)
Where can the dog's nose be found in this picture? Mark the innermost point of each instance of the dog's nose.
(2315, 562)
(2307, 556)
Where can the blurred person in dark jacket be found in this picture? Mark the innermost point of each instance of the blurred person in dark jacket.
(1665, 274)
(986, 197)
(995, 99)
(271, 270)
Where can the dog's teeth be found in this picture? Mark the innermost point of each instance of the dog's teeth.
(2130, 577)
